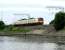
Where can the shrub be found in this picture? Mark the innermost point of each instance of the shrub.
(2, 25)
(59, 21)
(52, 22)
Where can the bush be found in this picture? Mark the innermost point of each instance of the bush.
(2, 25)
(52, 22)
(59, 21)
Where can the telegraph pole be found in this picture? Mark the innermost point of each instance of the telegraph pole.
(54, 9)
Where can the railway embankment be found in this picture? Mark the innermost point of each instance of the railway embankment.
(37, 30)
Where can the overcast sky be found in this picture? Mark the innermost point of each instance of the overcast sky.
(35, 8)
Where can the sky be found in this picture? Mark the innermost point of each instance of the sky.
(34, 8)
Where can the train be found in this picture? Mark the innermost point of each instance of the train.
(29, 22)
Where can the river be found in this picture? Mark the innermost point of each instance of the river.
(29, 42)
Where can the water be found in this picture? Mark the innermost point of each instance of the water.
(29, 42)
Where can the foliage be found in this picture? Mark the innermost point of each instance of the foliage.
(2, 25)
(52, 22)
(12, 28)
(59, 21)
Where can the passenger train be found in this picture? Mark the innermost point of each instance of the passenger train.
(29, 22)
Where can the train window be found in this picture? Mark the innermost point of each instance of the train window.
(40, 19)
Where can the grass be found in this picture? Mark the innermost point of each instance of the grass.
(15, 29)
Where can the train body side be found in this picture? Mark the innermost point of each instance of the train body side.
(27, 22)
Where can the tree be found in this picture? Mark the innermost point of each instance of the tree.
(2, 25)
(59, 21)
